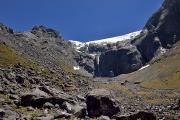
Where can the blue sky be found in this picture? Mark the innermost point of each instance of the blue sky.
(81, 20)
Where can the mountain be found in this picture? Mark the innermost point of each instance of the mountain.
(160, 33)
(135, 76)
(88, 51)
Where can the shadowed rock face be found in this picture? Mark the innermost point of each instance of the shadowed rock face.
(121, 61)
(162, 30)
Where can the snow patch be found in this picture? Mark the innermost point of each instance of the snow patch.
(116, 39)
(78, 44)
(144, 67)
(76, 68)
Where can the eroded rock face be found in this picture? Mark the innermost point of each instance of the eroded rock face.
(162, 30)
(42, 31)
(6, 29)
(99, 103)
(121, 61)
(86, 61)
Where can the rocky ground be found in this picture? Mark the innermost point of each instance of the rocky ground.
(27, 94)
(38, 82)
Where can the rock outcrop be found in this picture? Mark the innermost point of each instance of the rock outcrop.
(161, 31)
(100, 102)
(42, 31)
(120, 61)
(5, 29)
(142, 115)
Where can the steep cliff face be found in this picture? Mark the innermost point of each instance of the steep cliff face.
(89, 52)
(120, 61)
(161, 31)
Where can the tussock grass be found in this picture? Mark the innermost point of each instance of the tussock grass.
(9, 57)
(34, 113)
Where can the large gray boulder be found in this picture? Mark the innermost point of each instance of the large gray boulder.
(121, 61)
(100, 102)
(38, 98)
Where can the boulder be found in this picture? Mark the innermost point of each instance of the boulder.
(2, 113)
(20, 79)
(78, 110)
(68, 107)
(37, 98)
(45, 118)
(62, 114)
(141, 115)
(48, 105)
(103, 118)
(99, 102)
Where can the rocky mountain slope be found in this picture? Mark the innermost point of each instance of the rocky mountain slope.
(43, 77)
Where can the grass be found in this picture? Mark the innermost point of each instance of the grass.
(33, 113)
(9, 57)
(4, 98)
(163, 74)
(166, 74)
(157, 98)
(121, 92)
(159, 101)
(167, 83)
(67, 68)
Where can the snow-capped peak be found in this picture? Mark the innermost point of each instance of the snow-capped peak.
(116, 39)
(132, 35)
